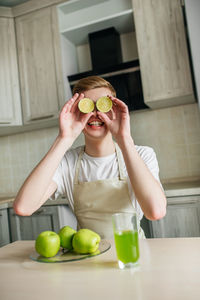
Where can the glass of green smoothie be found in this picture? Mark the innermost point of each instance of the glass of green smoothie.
(125, 227)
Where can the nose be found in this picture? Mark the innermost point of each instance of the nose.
(95, 108)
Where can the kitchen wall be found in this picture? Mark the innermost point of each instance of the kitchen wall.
(174, 133)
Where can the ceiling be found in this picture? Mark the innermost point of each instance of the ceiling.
(10, 3)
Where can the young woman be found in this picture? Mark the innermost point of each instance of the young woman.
(104, 176)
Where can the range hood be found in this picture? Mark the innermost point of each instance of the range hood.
(125, 67)
(125, 78)
(106, 55)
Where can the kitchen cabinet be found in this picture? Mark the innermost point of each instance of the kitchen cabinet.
(4, 228)
(144, 223)
(160, 40)
(192, 9)
(66, 216)
(39, 65)
(182, 219)
(163, 53)
(10, 112)
(154, 28)
(28, 228)
(79, 18)
(48, 217)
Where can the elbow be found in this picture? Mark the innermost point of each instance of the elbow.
(21, 211)
(157, 213)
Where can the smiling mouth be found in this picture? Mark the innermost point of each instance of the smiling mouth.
(96, 123)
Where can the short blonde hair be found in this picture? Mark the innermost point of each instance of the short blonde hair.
(92, 82)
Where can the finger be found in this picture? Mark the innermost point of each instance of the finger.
(111, 114)
(85, 117)
(104, 118)
(119, 103)
(75, 105)
(69, 103)
(114, 111)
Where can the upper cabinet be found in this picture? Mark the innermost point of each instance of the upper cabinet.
(39, 66)
(163, 53)
(10, 111)
(79, 18)
(192, 9)
(43, 43)
(155, 28)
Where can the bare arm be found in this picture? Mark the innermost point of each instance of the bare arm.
(39, 186)
(147, 189)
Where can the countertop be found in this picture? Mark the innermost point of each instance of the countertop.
(184, 188)
(169, 269)
(7, 201)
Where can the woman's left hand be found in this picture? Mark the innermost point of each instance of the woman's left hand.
(117, 120)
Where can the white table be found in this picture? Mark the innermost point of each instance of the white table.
(169, 269)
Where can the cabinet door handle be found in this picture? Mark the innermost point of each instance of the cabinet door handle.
(42, 118)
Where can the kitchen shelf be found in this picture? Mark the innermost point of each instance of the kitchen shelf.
(75, 5)
(77, 18)
(78, 35)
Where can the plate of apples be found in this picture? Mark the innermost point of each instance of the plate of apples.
(68, 245)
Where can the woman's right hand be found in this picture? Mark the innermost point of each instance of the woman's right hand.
(71, 120)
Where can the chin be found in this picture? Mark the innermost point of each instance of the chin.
(95, 134)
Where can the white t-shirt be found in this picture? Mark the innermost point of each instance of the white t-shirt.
(98, 168)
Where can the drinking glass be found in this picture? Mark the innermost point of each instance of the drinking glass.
(125, 227)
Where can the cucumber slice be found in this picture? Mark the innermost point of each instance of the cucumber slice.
(104, 104)
(86, 105)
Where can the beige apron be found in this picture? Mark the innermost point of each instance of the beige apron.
(96, 201)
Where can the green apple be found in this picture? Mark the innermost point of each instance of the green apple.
(66, 234)
(86, 241)
(47, 243)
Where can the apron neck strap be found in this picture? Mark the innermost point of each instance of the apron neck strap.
(120, 162)
(78, 164)
(119, 159)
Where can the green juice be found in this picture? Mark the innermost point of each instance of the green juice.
(127, 246)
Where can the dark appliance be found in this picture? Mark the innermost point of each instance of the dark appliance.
(126, 80)
(105, 48)
(128, 88)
